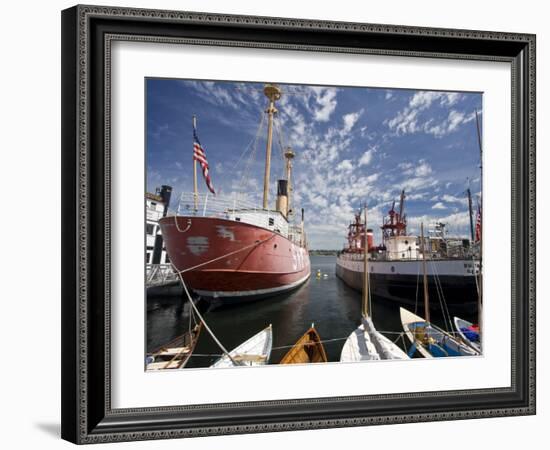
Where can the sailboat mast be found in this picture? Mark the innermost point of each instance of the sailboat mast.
(366, 271)
(471, 212)
(195, 185)
(425, 276)
(273, 93)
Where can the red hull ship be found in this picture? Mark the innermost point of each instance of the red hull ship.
(229, 252)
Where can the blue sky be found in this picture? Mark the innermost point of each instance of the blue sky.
(352, 145)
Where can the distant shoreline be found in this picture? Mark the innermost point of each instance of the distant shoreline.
(323, 252)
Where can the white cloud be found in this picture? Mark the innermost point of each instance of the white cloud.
(345, 165)
(449, 125)
(439, 205)
(326, 101)
(350, 120)
(366, 158)
(408, 120)
(423, 169)
(405, 165)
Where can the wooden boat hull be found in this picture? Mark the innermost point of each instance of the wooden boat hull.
(228, 262)
(308, 349)
(175, 354)
(253, 352)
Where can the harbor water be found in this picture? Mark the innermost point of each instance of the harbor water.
(325, 301)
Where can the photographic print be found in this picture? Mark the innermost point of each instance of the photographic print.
(296, 224)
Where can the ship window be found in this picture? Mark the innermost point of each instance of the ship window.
(402, 255)
(153, 203)
(271, 221)
(150, 228)
(392, 269)
(238, 219)
(406, 242)
(148, 257)
(275, 246)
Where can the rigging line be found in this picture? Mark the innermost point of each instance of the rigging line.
(223, 349)
(417, 283)
(440, 296)
(399, 337)
(252, 156)
(442, 300)
(280, 140)
(249, 144)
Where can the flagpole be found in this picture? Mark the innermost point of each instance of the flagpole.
(195, 185)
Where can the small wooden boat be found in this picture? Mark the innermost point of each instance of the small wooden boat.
(430, 340)
(308, 349)
(253, 352)
(468, 332)
(176, 353)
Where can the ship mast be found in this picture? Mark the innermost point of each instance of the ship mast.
(425, 276)
(273, 93)
(289, 155)
(366, 271)
(471, 212)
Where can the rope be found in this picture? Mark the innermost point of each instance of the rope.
(252, 156)
(325, 341)
(224, 350)
(281, 147)
(442, 301)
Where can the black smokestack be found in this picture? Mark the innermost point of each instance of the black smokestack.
(282, 187)
(165, 193)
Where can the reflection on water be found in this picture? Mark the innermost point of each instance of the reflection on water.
(332, 306)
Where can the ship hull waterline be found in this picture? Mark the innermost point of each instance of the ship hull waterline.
(458, 290)
(228, 262)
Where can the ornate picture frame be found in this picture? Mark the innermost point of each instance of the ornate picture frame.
(87, 35)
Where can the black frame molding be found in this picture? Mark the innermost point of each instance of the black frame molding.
(87, 33)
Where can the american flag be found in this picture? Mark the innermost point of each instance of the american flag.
(200, 155)
(478, 224)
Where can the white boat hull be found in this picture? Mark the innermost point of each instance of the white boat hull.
(253, 352)
(414, 325)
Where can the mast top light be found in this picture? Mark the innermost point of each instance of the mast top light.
(272, 92)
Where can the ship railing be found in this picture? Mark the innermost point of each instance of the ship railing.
(235, 207)
(159, 274)
(212, 205)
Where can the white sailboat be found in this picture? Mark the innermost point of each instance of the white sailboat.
(428, 339)
(365, 343)
(468, 333)
(253, 352)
